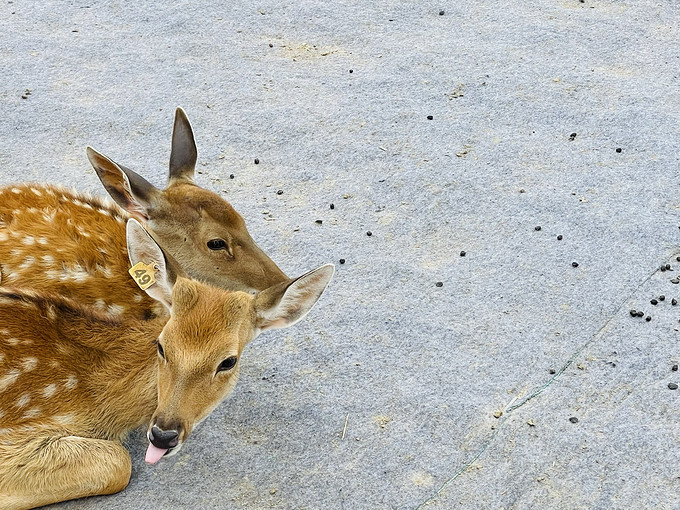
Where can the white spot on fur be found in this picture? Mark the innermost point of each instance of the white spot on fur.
(115, 309)
(29, 363)
(16, 190)
(8, 379)
(71, 382)
(42, 240)
(47, 259)
(101, 304)
(5, 432)
(3, 236)
(28, 262)
(49, 390)
(12, 340)
(15, 252)
(31, 413)
(138, 298)
(28, 240)
(4, 332)
(23, 400)
(37, 192)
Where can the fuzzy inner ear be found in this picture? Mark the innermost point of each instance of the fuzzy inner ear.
(288, 302)
(128, 189)
(142, 248)
(183, 154)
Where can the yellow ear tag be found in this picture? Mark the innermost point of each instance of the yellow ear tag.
(143, 274)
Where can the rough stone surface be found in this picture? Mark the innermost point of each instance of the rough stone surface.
(415, 370)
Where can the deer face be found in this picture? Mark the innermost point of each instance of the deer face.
(199, 354)
(209, 239)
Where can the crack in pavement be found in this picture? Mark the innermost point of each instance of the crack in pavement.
(537, 391)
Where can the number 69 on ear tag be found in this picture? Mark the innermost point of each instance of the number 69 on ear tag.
(143, 274)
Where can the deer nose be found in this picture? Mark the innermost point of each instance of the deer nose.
(165, 439)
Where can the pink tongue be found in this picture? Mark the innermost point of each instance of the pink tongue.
(154, 454)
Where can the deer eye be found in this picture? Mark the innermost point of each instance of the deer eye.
(217, 244)
(227, 364)
(161, 352)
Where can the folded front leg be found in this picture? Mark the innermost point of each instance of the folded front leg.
(39, 470)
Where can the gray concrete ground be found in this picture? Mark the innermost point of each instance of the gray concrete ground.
(334, 98)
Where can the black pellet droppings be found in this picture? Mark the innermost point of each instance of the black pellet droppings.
(663, 269)
(662, 298)
(633, 313)
(675, 281)
(369, 233)
(257, 161)
(574, 264)
(319, 222)
(674, 368)
(559, 238)
(674, 301)
(430, 117)
(668, 267)
(351, 71)
(231, 176)
(332, 206)
(654, 302)
(648, 318)
(551, 371)
(342, 261)
(462, 254)
(677, 258)
(280, 192)
(640, 314)
(439, 284)
(441, 13)
(271, 45)
(573, 419)
(618, 149)
(672, 386)
(537, 228)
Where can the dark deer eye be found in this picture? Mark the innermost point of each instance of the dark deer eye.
(227, 364)
(217, 244)
(161, 353)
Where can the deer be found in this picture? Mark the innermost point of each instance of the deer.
(75, 380)
(73, 244)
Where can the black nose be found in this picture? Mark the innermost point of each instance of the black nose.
(165, 439)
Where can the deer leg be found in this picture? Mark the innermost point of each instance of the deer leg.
(39, 470)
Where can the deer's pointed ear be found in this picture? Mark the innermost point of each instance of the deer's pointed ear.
(284, 304)
(128, 189)
(142, 248)
(183, 154)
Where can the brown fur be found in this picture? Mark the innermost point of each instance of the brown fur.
(74, 382)
(72, 244)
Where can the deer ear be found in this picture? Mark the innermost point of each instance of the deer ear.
(129, 190)
(183, 154)
(142, 248)
(284, 304)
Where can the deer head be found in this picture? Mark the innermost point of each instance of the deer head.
(204, 233)
(200, 347)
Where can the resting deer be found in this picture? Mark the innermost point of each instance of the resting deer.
(74, 380)
(72, 244)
